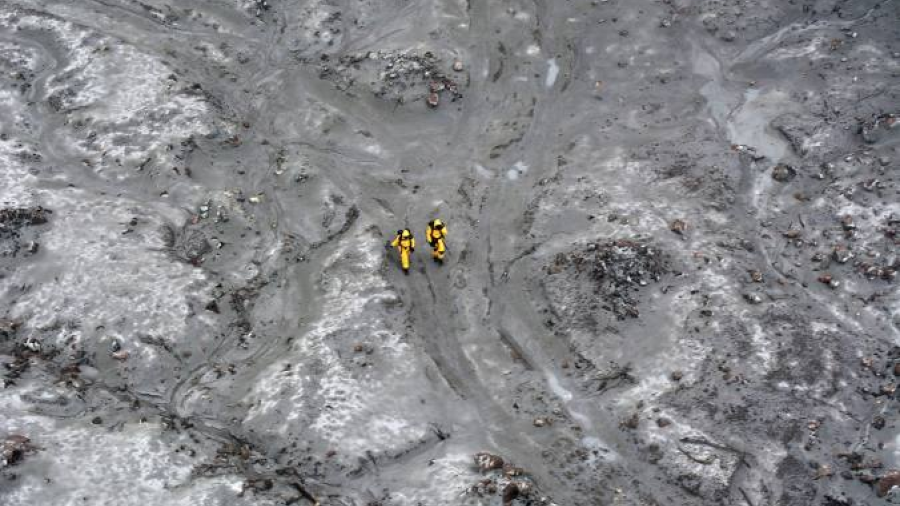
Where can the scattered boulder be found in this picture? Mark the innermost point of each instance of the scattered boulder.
(512, 484)
(394, 75)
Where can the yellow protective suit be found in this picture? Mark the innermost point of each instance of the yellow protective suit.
(405, 244)
(436, 235)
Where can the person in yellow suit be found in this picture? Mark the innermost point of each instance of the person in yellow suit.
(436, 234)
(405, 244)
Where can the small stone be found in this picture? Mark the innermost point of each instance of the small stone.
(678, 226)
(358, 348)
(897, 369)
(256, 199)
(120, 355)
(842, 255)
(487, 461)
(32, 247)
(33, 345)
(433, 100)
(511, 471)
(663, 422)
(756, 276)
(813, 425)
(97, 420)
(752, 298)
(867, 362)
(510, 492)
(825, 279)
(665, 23)
(884, 161)
(677, 375)
(879, 422)
(458, 66)
(783, 173)
(823, 471)
(542, 421)
(847, 223)
(888, 389)
(632, 422)
(793, 233)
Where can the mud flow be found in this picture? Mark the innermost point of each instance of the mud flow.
(670, 274)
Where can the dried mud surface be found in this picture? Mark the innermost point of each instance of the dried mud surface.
(672, 268)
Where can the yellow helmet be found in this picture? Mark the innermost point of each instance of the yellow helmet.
(405, 233)
(438, 224)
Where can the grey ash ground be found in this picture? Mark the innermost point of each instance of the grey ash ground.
(672, 270)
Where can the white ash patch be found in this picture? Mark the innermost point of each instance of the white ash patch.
(121, 118)
(16, 180)
(362, 410)
(92, 271)
(134, 464)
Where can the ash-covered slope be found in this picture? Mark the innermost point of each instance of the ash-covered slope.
(672, 258)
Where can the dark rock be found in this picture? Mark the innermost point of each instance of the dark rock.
(890, 480)
(8, 329)
(14, 449)
(867, 478)
(691, 483)
(752, 298)
(783, 173)
(632, 422)
(510, 493)
(876, 128)
(189, 245)
(618, 269)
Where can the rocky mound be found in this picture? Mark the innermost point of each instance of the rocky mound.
(615, 271)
